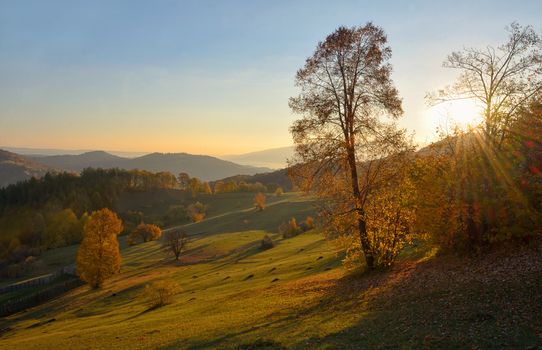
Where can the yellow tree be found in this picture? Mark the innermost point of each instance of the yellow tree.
(99, 257)
(206, 188)
(144, 232)
(259, 201)
(219, 187)
(195, 186)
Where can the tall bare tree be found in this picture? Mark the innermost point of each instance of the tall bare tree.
(503, 79)
(348, 105)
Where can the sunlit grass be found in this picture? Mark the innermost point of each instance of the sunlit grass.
(295, 294)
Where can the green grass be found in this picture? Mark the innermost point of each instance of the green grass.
(218, 294)
(228, 212)
(295, 295)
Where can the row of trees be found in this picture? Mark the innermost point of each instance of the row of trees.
(241, 186)
(375, 192)
(196, 186)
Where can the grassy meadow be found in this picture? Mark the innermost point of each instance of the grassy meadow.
(294, 295)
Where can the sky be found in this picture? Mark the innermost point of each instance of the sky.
(209, 77)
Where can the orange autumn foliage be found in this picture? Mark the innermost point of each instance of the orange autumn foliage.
(99, 256)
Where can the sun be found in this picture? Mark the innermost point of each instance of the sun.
(461, 113)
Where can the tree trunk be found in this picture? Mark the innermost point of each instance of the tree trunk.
(364, 239)
(362, 225)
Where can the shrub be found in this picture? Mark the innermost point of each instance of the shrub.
(307, 225)
(160, 293)
(267, 243)
(390, 213)
(290, 229)
(309, 221)
(196, 212)
(279, 192)
(145, 233)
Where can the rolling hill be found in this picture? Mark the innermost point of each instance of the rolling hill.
(201, 166)
(14, 168)
(77, 162)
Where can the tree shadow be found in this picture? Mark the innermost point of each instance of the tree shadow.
(449, 302)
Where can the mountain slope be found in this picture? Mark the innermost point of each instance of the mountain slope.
(203, 167)
(200, 166)
(14, 168)
(71, 162)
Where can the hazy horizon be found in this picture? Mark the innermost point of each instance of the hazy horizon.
(195, 76)
(129, 154)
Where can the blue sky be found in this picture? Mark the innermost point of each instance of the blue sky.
(208, 76)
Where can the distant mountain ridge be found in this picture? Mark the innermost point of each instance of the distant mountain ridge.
(31, 152)
(77, 162)
(204, 167)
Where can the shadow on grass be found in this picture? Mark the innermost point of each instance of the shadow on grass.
(251, 220)
(144, 312)
(444, 303)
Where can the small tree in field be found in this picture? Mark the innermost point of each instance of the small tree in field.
(259, 201)
(160, 293)
(279, 192)
(99, 257)
(175, 242)
(145, 233)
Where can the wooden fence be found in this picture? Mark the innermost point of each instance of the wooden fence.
(39, 281)
(57, 287)
(18, 304)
